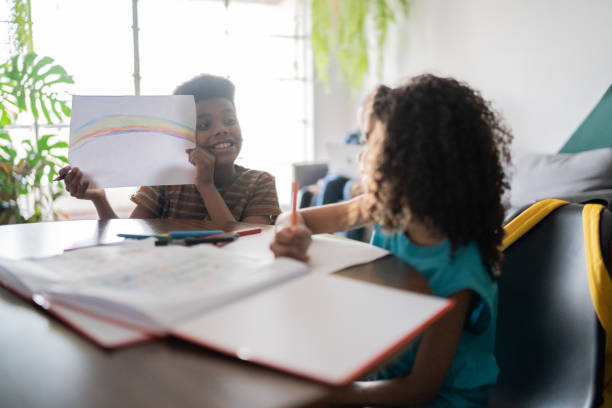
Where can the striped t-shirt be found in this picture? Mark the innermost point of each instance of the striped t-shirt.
(253, 193)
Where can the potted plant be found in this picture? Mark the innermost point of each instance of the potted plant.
(339, 30)
(30, 86)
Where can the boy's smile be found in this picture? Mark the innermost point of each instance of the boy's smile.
(217, 129)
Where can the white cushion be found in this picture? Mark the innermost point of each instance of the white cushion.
(536, 176)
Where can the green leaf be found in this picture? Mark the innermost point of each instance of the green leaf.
(15, 72)
(38, 176)
(65, 108)
(20, 25)
(45, 110)
(339, 30)
(36, 217)
(41, 63)
(405, 7)
(322, 37)
(21, 101)
(58, 145)
(33, 108)
(56, 70)
(43, 142)
(67, 79)
(382, 16)
(27, 60)
(32, 83)
(11, 153)
(4, 118)
(55, 111)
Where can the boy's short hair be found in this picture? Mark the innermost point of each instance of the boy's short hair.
(207, 86)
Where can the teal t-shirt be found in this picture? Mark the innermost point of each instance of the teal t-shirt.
(474, 369)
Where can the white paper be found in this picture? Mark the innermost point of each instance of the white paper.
(327, 328)
(101, 331)
(102, 271)
(331, 253)
(328, 253)
(147, 286)
(120, 141)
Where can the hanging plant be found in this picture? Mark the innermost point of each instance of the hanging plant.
(21, 26)
(339, 29)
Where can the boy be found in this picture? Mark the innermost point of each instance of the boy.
(222, 191)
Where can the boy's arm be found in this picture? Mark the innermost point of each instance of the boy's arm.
(142, 212)
(258, 219)
(105, 211)
(78, 187)
(215, 205)
(103, 207)
(262, 203)
(204, 161)
(433, 361)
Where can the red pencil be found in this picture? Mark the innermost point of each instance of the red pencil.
(294, 190)
(248, 232)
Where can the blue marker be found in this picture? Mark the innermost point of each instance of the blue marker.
(174, 235)
(142, 236)
(193, 234)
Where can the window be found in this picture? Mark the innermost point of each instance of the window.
(260, 45)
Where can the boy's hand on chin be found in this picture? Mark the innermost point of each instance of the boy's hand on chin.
(292, 242)
(204, 162)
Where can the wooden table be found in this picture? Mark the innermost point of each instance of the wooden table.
(44, 363)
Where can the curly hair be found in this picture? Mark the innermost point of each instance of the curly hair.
(207, 86)
(440, 161)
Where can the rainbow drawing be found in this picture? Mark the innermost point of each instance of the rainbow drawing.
(112, 125)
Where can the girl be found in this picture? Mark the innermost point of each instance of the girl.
(433, 180)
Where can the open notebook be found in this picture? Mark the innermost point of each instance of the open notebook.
(238, 300)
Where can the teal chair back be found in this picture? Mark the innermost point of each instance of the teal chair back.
(595, 131)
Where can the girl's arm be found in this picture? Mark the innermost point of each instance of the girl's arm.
(433, 361)
(294, 242)
(328, 218)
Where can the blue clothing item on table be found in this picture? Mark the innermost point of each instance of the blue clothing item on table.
(474, 368)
